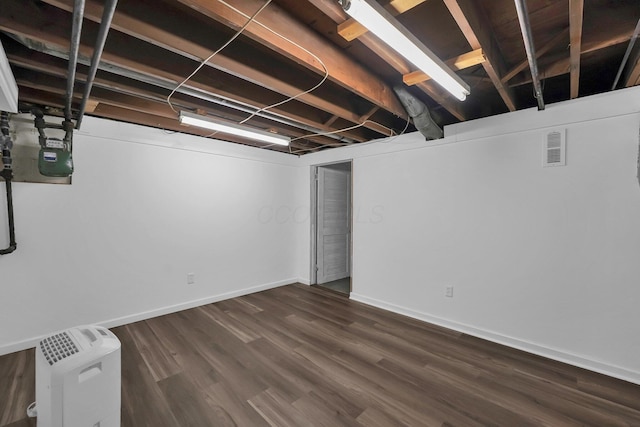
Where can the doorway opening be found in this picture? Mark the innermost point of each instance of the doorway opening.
(331, 214)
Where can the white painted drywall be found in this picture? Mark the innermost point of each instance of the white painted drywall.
(543, 259)
(145, 209)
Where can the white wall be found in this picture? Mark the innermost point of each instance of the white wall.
(145, 209)
(543, 259)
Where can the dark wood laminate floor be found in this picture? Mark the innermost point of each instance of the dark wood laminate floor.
(300, 356)
(342, 286)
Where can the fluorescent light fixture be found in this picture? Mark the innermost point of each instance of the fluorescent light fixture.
(380, 22)
(187, 118)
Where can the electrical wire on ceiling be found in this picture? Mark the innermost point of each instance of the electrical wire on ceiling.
(342, 130)
(203, 62)
(391, 134)
(252, 19)
(291, 98)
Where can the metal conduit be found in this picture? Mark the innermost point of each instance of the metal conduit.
(105, 24)
(78, 13)
(626, 55)
(525, 27)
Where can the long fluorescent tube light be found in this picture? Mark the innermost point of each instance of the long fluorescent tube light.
(381, 23)
(187, 118)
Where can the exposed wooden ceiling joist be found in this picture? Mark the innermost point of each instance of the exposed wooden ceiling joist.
(618, 36)
(53, 85)
(307, 47)
(152, 67)
(555, 41)
(476, 28)
(132, 97)
(576, 11)
(562, 64)
(459, 62)
(632, 77)
(169, 37)
(154, 44)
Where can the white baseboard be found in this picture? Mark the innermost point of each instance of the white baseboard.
(112, 323)
(304, 281)
(550, 353)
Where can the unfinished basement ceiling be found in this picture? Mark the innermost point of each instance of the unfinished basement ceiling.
(153, 45)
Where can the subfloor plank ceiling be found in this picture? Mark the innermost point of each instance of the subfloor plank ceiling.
(336, 78)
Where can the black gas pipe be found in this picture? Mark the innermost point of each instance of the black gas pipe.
(7, 174)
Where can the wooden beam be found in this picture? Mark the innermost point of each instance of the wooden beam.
(341, 69)
(331, 120)
(158, 107)
(576, 9)
(621, 36)
(561, 36)
(555, 69)
(632, 76)
(632, 73)
(460, 62)
(475, 26)
(167, 38)
(352, 29)
(19, 23)
(402, 6)
(45, 98)
(562, 65)
(369, 113)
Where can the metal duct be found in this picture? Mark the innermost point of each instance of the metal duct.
(419, 112)
(625, 58)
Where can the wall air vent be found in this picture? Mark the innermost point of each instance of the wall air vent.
(554, 148)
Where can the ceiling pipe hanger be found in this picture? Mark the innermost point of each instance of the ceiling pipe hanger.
(525, 27)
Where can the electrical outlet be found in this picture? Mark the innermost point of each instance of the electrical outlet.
(449, 292)
(191, 278)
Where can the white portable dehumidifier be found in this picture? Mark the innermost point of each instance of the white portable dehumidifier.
(78, 379)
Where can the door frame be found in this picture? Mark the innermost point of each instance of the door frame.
(314, 217)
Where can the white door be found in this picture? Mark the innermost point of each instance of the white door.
(333, 224)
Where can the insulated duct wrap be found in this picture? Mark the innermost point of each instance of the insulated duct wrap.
(419, 112)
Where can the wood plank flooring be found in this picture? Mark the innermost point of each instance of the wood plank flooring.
(301, 356)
